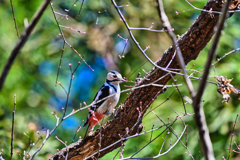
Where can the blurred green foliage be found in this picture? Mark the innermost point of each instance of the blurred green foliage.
(33, 74)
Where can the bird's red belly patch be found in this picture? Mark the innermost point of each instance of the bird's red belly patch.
(94, 119)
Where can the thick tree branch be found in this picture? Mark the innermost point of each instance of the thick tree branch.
(198, 108)
(22, 40)
(190, 43)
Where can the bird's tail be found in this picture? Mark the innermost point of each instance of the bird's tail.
(89, 129)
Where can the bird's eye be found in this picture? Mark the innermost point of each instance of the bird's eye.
(115, 76)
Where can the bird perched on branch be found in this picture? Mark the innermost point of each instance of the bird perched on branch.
(105, 100)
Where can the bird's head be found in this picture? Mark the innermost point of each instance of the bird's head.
(114, 76)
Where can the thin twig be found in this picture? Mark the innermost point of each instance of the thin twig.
(14, 19)
(125, 46)
(226, 54)
(60, 62)
(80, 8)
(230, 147)
(147, 29)
(210, 11)
(79, 127)
(72, 29)
(13, 116)
(181, 98)
(26, 33)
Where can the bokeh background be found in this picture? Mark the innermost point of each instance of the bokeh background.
(33, 74)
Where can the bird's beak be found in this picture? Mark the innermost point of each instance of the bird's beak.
(120, 78)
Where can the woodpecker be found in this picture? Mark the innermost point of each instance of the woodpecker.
(104, 107)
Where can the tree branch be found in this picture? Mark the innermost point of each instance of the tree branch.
(22, 40)
(190, 43)
(13, 117)
(198, 108)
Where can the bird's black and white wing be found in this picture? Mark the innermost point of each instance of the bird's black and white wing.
(103, 92)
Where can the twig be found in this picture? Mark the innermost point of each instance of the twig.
(26, 33)
(226, 54)
(80, 8)
(14, 19)
(127, 40)
(198, 109)
(171, 59)
(147, 29)
(209, 11)
(79, 127)
(230, 147)
(72, 29)
(13, 116)
(60, 62)
(181, 98)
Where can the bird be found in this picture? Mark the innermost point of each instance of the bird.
(103, 106)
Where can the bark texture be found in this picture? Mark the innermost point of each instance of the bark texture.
(190, 43)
